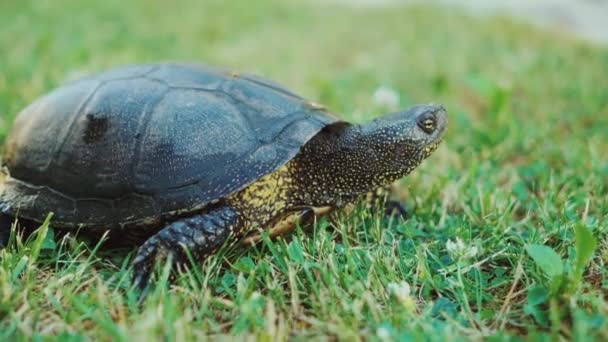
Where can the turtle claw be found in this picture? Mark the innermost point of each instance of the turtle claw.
(141, 273)
(140, 282)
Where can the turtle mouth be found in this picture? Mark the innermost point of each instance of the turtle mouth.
(430, 148)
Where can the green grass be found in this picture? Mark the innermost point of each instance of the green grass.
(524, 165)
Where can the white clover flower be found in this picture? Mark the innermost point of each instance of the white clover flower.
(472, 251)
(383, 334)
(400, 290)
(459, 250)
(454, 247)
(386, 97)
(255, 295)
(402, 293)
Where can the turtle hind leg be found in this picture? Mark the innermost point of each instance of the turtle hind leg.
(200, 235)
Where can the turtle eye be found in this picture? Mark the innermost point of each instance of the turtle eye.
(428, 125)
(427, 122)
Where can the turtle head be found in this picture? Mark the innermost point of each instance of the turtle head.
(344, 161)
(399, 141)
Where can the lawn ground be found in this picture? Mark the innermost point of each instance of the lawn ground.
(507, 235)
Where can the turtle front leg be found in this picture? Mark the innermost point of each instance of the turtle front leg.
(200, 235)
(381, 198)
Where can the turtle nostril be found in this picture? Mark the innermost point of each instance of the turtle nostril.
(427, 122)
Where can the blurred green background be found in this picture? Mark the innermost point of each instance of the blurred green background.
(524, 164)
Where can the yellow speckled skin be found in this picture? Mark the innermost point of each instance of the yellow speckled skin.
(277, 195)
(265, 200)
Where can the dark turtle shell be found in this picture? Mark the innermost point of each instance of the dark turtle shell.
(141, 142)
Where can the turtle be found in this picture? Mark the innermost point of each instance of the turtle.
(181, 158)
